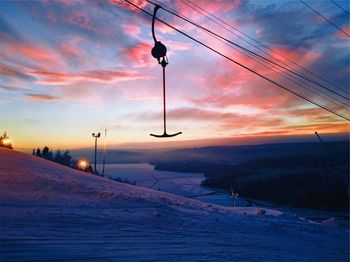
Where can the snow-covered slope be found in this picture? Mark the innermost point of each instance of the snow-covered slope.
(51, 212)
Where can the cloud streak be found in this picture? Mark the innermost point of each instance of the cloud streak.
(100, 76)
(40, 97)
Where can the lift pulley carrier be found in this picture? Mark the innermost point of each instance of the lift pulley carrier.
(159, 52)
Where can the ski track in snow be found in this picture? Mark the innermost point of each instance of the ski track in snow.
(53, 213)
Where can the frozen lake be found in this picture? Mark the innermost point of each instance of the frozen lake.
(189, 185)
(183, 184)
(144, 174)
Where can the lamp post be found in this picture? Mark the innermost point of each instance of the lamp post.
(104, 154)
(96, 136)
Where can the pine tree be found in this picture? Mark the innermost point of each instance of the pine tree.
(50, 155)
(45, 153)
(38, 152)
(58, 157)
(67, 158)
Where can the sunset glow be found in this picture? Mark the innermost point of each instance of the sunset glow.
(69, 68)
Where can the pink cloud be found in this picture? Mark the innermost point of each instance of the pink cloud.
(255, 124)
(40, 55)
(71, 50)
(213, 7)
(101, 76)
(231, 85)
(197, 114)
(89, 21)
(66, 2)
(4, 70)
(329, 127)
(340, 34)
(62, 2)
(51, 17)
(222, 121)
(164, 29)
(302, 57)
(125, 5)
(142, 98)
(139, 54)
(325, 128)
(81, 19)
(132, 30)
(15, 74)
(41, 97)
(177, 45)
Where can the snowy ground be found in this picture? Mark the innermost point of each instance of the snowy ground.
(50, 212)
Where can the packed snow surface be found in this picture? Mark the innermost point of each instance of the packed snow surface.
(52, 212)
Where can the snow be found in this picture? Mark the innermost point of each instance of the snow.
(52, 212)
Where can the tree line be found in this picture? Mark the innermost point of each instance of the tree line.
(64, 158)
(318, 178)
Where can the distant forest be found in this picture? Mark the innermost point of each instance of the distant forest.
(312, 175)
(60, 158)
(319, 179)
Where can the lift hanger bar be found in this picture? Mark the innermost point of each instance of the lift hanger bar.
(159, 52)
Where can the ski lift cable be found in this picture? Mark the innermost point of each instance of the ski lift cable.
(249, 51)
(325, 18)
(294, 79)
(290, 77)
(328, 97)
(240, 64)
(209, 15)
(340, 7)
(237, 35)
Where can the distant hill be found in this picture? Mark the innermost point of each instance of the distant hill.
(205, 155)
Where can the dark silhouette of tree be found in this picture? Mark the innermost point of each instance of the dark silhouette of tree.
(63, 159)
(74, 164)
(38, 152)
(58, 157)
(89, 169)
(67, 158)
(33, 152)
(50, 155)
(46, 153)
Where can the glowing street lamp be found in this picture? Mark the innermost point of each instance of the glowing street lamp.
(6, 141)
(82, 164)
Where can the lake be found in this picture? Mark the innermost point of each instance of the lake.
(189, 185)
(143, 174)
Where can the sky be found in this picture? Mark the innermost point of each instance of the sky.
(71, 68)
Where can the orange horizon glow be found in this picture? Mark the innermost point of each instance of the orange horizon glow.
(249, 139)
